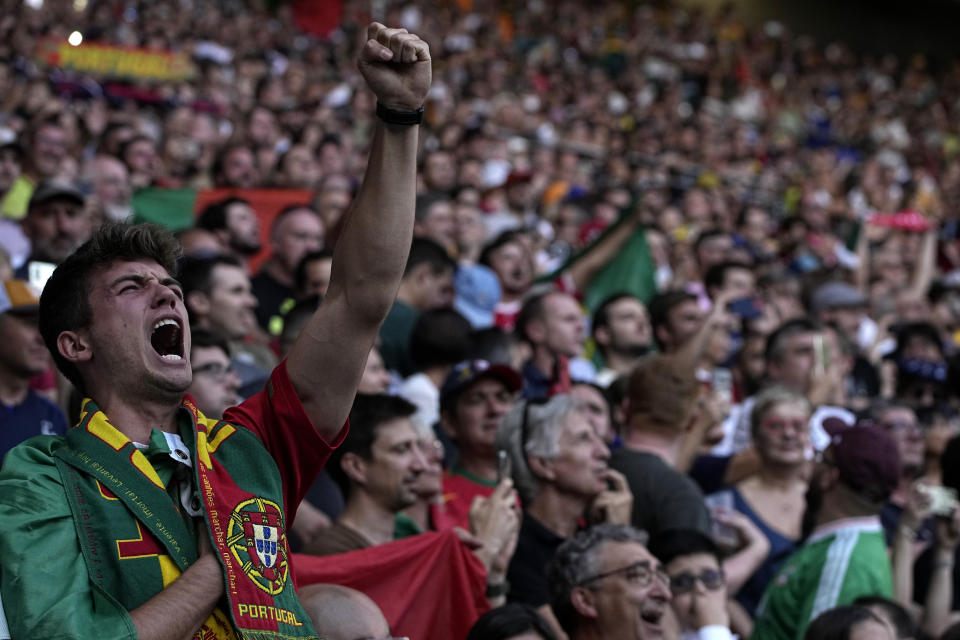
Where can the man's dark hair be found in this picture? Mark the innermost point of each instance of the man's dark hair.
(673, 543)
(214, 215)
(441, 337)
(216, 169)
(707, 234)
(424, 251)
(368, 413)
(486, 254)
(662, 305)
(425, 202)
(903, 623)
(601, 316)
(65, 304)
(534, 308)
(509, 621)
(206, 338)
(716, 275)
(836, 623)
(492, 344)
(777, 341)
(196, 273)
(576, 560)
(132, 141)
(300, 274)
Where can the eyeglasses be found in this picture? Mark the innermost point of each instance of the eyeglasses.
(214, 370)
(639, 573)
(711, 579)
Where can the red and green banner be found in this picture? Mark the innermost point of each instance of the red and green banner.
(177, 208)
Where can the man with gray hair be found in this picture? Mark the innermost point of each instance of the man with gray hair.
(559, 466)
(604, 583)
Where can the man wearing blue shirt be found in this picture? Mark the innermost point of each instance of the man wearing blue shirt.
(23, 413)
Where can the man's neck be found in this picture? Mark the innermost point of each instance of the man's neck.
(780, 477)
(640, 437)
(366, 516)
(275, 270)
(622, 363)
(13, 388)
(558, 512)
(483, 467)
(419, 512)
(138, 418)
(544, 360)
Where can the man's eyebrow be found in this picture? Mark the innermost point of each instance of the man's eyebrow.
(170, 282)
(130, 277)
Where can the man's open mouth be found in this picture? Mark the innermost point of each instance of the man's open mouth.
(167, 339)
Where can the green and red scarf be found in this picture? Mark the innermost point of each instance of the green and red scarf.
(136, 540)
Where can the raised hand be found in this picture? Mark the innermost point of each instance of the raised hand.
(396, 67)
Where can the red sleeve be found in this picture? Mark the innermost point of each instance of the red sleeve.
(276, 416)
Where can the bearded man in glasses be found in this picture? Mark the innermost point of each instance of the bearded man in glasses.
(697, 584)
(604, 583)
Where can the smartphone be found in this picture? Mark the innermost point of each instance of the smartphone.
(746, 308)
(723, 534)
(721, 382)
(504, 467)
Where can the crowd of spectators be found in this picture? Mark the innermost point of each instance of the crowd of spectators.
(776, 411)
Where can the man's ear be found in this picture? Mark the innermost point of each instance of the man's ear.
(541, 468)
(354, 467)
(198, 303)
(535, 330)
(662, 334)
(582, 600)
(74, 346)
(446, 423)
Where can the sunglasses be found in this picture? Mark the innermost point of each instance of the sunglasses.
(711, 579)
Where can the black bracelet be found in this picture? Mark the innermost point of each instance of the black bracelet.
(391, 116)
(497, 589)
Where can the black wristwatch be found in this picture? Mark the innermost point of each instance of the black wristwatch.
(392, 116)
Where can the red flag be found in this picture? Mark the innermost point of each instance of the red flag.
(318, 17)
(429, 586)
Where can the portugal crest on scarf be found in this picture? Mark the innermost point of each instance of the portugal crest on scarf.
(257, 540)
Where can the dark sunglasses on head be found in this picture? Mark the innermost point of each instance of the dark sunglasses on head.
(685, 582)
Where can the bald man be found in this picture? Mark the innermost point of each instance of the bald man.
(342, 613)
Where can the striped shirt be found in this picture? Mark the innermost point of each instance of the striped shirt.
(840, 562)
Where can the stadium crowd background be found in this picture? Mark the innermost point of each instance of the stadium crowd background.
(742, 164)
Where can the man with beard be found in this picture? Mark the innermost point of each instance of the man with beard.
(844, 556)
(377, 467)
(219, 296)
(234, 222)
(56, 224)
(621, 331)
(606, 585)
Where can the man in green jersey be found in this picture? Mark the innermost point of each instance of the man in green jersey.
(845, 555)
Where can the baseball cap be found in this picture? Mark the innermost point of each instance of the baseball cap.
(663, 388)
(477, 293)
(867, 459)
(53, 189)
(16, 296)
(467, 372)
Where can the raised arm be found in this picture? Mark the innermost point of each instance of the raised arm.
(327, 360)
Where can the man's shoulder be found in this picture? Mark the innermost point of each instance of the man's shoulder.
(30, 466)
(635, 462)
